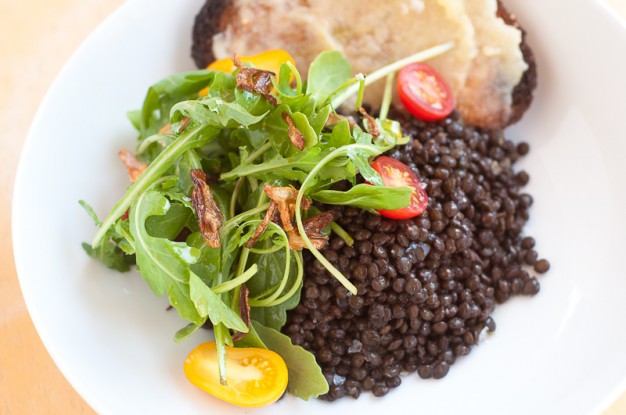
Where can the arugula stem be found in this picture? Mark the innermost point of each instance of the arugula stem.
(393, 67)
(384, 106)
(155, 169)
(241, 266)
(341, 232)
(221, 333)
(253, 184)
(233, 197)
(265, 302)
(236, 282)
(155, 138)
(252, 157)
(343, 87)
(359, 98)
(283, 283)
(194, 159)
(258, 152)
(307, 242)
(243, 260)
(296, 284)
(242, 216)
(241, 275)
(297, 76)
(267, 251)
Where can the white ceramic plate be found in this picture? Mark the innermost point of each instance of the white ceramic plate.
(562, 352)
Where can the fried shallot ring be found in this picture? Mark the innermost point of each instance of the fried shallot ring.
(285, 197)
(210, 217)
(371, 123)
(295, 135)
(257, 81)
(134, 166)
(313, 227)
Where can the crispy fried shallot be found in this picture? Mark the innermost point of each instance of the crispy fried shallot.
(295, 136)
(209, 215)
(313, 227)
(244, 312)
(296, 243)
(270, 215)
(285, 198)
(167, 128)
(135, 167)
(371, 123)
(283, 206)
(257, 81)
(317, 223)
(333, 119)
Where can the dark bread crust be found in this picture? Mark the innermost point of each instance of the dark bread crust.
(523, 91)
(211, 19)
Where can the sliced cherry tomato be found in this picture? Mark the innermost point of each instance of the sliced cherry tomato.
(424, 93)
(254, 377)
(395, 174)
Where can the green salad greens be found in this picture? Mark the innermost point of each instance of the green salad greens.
(222, 203)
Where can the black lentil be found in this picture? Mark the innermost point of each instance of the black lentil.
(426, 286)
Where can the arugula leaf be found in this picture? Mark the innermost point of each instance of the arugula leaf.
(135, 119)
(287, 71)
(361, 156)
(192, 138)
(305, 376)
(301, 122)
(215, 112)
(340, 135)
(164, 264)
(164, 94)
(365, 196)
(294, 168)
(270, 272)
(92, 213)
(329, 71)
(121, 234)
(210, 305)
(169, 225)
(317, 118)
(114, 251)
(110, 255)
(185, 332)
(251, 339)
(188, 161)
(276, 129)
(208, 265)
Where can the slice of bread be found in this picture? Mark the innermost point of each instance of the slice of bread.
(491, 70)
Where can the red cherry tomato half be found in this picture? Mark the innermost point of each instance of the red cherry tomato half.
(424, 93)
(394, 174)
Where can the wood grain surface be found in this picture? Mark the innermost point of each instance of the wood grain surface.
(36, 39)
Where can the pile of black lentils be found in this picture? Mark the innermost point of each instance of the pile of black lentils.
(426, 286)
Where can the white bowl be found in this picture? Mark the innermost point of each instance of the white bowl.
(561, 352)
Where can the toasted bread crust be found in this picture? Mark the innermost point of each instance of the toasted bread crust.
(523, 92)
(209, 21)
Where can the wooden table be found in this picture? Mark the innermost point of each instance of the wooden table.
(36, 38)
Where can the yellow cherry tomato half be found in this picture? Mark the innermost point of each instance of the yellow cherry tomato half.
(254, 377)
(270, 60)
